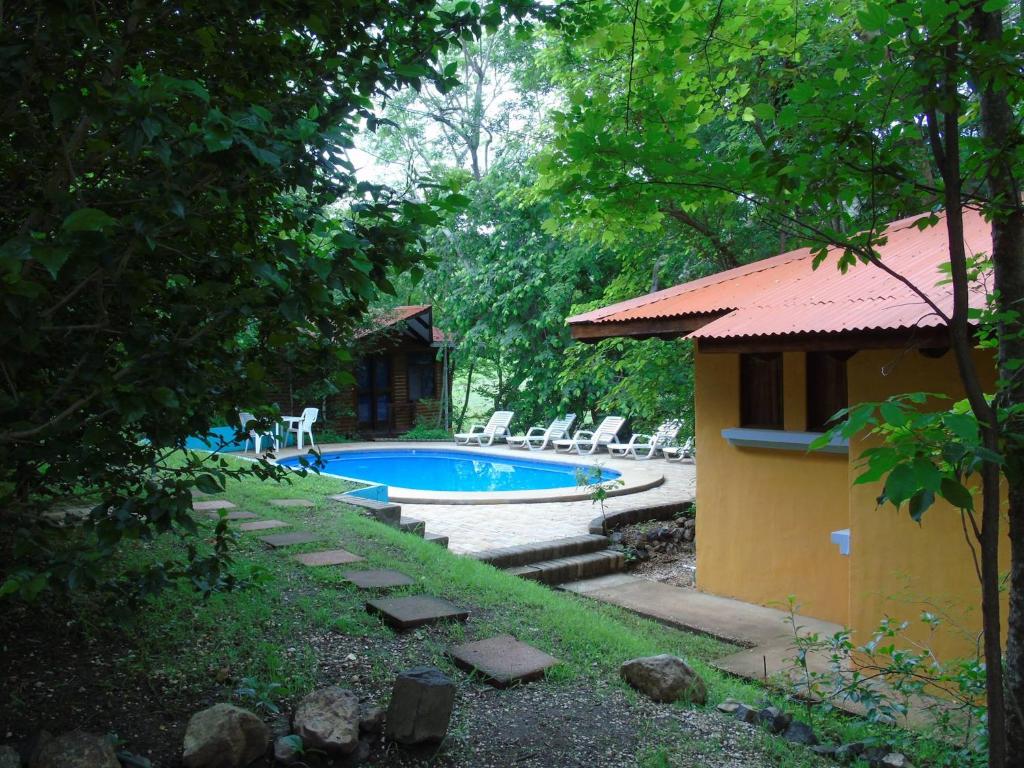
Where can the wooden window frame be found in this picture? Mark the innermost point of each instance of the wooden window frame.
(761, 390)
(826, 385)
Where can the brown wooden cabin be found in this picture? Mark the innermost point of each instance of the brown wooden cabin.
(402, 376)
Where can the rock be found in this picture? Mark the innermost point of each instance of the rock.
(641, 553)
(615, 537)
(288, 749)
(825, 750)
(421, 706)
(729, 706)
(371, 718)
(774, 719)
(328, 720)
(800, 733)
(873, 755)
(688, 534)
(847, 753)
(361, 755)
(665, 678)
(75, 749)
(224, 736)
(895, 760)
(9, 757)
(128, 760)
(747, 714)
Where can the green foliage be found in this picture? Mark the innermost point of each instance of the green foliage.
(649, 380)
(166, 246)
(888, 675)
(426, 432)
(261, 695)
(922, 455)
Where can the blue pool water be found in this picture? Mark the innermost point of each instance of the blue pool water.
(441, 470)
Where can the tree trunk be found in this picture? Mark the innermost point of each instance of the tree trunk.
(1000, 134)
(465, 400)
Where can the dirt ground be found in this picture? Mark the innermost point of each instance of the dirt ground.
(58, 677)
(661, 551)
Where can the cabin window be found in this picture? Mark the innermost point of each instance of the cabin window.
(421, 376)
(826, 388)
(761, 390)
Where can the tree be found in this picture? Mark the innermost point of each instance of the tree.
(826, 121)
(165, 243)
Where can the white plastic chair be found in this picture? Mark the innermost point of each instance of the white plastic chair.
(497, 426)
(680, 452)
(589, 441)
(643, 446)
(538, 438)
(256, 438)
(303, 426)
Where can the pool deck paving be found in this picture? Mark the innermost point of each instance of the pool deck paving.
(476, 527)
(473, 527)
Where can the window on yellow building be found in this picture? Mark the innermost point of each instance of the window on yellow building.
(761, 390)
(826, 388)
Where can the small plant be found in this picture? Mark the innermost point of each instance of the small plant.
(260, 694)
(889, 674)
(423, 432)
(592, 478)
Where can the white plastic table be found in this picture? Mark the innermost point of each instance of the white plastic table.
(288, 422)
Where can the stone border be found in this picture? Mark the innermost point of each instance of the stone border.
(641, 515)
(634, 479)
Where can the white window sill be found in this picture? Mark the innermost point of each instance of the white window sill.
(781, 440)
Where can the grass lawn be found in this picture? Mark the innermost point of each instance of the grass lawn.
(292, 628)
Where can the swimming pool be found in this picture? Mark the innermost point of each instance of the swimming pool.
(441, 470)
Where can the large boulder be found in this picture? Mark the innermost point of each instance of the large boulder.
(76, 749)
(224, 736)
(421, 706)
(665, 678)
(328, 719)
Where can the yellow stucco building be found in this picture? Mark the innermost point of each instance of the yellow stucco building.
(780, 347)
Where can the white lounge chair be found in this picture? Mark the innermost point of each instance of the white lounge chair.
(497, 426)
(256, 438)
(642, 446)
(303, 425)
(679, 452)
(589, 441)
(538, 438)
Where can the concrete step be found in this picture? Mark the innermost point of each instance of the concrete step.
(436, 538)
(524, 554)
(384, 511)
(413, 526)
(570, 568)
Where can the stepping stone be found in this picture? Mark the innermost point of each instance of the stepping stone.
(502, 660)
(288, 539)
(408, 612)
(291, 502)
(329, 557)
(209, 506)
(262, 525)
(235, 514)
(381, 578)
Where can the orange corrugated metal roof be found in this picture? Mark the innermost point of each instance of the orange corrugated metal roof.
(785, 295)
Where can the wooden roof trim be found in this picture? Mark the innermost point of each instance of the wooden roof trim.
(662, 328)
